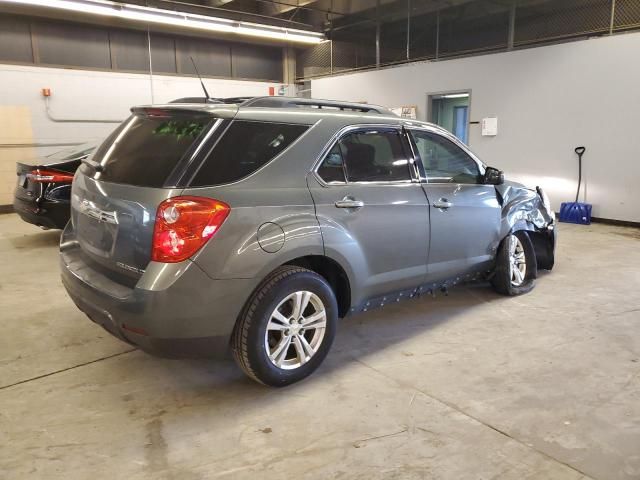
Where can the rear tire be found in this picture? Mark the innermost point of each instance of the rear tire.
(287, 327)
(516, 265)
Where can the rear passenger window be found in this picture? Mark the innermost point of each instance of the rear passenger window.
(244, 148)
(374, 156)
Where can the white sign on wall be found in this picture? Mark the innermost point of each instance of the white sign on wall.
(407, 111)
(489, 126)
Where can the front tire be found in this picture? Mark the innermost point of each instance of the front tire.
(516, 265)
(287, 327)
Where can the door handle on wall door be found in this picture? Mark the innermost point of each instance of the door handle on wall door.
(442, 203)
(349, 202)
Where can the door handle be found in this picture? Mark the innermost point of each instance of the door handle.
(349, 202)
(442, 203)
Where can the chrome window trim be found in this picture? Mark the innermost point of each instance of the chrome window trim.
(453, 139)
(416, 163)
(344, 131)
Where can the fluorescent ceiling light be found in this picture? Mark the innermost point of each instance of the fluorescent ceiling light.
(455, 95)
(176, 19)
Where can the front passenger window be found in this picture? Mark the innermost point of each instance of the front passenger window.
(444, 161)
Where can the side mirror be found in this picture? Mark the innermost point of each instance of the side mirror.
(493, 176)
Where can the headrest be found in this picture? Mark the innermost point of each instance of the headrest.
(360, 156)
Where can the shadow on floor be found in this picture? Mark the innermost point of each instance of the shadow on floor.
(38, 239)
(223, 383)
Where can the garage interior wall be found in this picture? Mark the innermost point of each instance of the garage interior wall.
(98, 73)
(78, 94)
(548, 100)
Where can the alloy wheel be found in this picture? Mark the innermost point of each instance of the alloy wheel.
(517, 261)
(295, 330)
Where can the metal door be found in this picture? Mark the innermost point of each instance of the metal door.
(372, 210)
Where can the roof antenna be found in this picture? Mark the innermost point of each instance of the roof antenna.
(206, 94)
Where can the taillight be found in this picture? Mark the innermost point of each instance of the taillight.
(49, 176)
(184, 225)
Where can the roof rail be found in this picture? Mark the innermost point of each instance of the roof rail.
(292, 102)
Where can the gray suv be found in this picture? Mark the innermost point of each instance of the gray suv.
(255, 225)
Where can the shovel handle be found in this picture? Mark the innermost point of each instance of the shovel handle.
(579, 151)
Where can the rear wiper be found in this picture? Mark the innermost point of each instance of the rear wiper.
(95, 165)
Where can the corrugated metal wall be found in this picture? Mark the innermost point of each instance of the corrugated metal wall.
(56, 43)
(472, 27)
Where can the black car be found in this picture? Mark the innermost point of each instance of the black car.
(43, 192)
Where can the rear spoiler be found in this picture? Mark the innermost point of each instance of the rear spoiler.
(218, 110)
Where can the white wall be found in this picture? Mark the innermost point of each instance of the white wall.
(548, 100)
(83, 94)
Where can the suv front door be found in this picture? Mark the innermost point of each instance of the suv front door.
(372, 210)
(465, 213)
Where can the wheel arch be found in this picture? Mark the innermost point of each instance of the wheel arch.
(333, 273)
(543, 242)
(544, 248)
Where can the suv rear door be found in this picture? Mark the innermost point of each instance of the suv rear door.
(372, 210)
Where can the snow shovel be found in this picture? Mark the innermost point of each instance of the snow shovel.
(576, 212)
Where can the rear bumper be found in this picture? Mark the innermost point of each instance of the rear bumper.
(48, 214)
(193, 316)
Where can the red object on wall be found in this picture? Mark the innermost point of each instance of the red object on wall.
(272, 91)
(46, 92)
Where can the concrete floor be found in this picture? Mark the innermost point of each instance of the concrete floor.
(472, 385)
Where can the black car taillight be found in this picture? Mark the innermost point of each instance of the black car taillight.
(49, 176)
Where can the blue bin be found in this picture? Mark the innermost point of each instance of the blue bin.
(575, 212)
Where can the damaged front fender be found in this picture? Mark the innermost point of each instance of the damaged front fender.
(529, 210)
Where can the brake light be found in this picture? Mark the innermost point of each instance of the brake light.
(49, 176)
(184, 225)
(156, 113)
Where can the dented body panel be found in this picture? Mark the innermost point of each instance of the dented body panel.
(522, 208)
(526, 209)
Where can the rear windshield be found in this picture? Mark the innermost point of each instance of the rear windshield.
(145, 149)
(244, 148)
